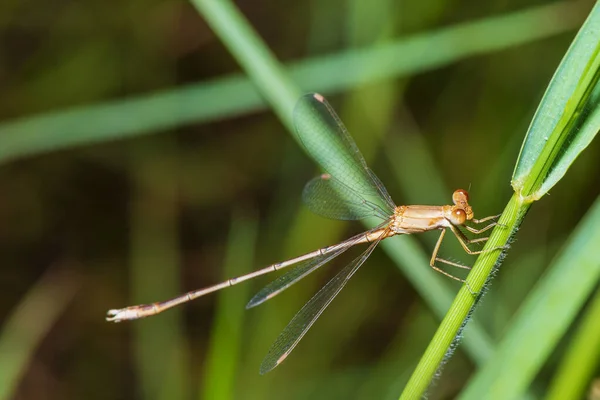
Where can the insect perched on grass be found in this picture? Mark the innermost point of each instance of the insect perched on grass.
(348, 191)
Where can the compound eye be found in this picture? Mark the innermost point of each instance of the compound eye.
(459, 217)
(460, 196)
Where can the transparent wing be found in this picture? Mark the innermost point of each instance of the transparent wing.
(306, 317)
(326, 139)
(326, 196)
(303, 269)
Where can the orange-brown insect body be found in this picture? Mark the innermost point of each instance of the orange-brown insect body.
(416, 219)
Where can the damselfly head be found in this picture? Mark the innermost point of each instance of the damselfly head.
(460, 197)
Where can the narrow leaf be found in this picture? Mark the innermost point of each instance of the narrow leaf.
(567, 119)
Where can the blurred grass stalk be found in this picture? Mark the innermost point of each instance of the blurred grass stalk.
(223, 358)
(566, 121)
(236, 94)
(30, 322)
(371, 109)
(161, 348)
(582, 357)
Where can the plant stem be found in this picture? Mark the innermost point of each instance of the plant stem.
(450, 330)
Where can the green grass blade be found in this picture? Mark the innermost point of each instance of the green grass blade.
(234, 95)
(256, 58)
(449, 332)
(545, 316)
(568, 117)
(222, 360)
(582, 358)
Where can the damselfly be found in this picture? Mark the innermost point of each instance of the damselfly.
(348, 190)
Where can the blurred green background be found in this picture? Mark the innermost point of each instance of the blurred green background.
(139, 162)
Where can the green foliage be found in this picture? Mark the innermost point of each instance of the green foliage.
(581, 359)
(567, 119)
